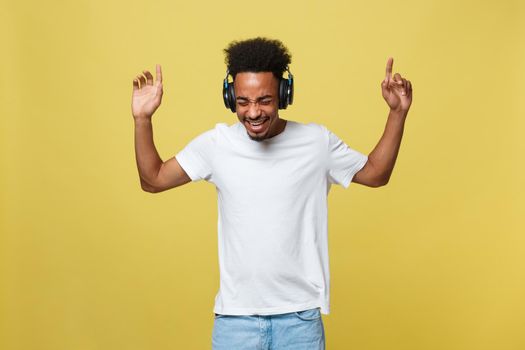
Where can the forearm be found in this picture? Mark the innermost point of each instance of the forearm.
(383, 156)
(148, 159)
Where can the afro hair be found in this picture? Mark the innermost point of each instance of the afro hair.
(257, 55)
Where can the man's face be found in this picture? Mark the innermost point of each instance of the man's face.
(257, 104)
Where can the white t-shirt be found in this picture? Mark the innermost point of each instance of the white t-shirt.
(272, 213)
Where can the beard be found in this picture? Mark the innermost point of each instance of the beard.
(263, 136)
(256, 138)
(273, 125)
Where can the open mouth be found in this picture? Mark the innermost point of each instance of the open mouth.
(257, 126)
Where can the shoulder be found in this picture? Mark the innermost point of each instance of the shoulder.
(225, 130)
(328, 135)
(317, 132)
(329, 139)
(204, 139)
(211, 134)
(312, 129)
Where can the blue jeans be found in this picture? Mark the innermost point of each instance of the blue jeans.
(301, 330)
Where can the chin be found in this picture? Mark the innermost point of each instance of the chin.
(258, 137)
(263, 134)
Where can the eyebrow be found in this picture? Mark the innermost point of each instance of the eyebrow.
(258, 99)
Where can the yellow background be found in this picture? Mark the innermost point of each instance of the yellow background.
(434, 260)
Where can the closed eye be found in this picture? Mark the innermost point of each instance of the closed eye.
(263, 101)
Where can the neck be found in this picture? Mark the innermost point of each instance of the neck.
(281, 125)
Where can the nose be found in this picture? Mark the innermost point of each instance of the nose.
(253, 111)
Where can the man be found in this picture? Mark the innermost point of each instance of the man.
(272, 177)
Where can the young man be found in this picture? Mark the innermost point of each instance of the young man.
(272, 177)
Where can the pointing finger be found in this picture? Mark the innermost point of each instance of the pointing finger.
(135, 84)
(149, 77)
(159, 74)
(389, 65)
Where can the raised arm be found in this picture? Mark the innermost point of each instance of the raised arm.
(397, 93)
(155, 175)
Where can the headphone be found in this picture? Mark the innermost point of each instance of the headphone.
(285, 91)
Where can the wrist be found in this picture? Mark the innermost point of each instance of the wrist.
(142, 121)
(398, 113)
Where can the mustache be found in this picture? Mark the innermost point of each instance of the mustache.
(255, 120)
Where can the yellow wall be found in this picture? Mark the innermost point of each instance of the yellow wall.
(434, 260)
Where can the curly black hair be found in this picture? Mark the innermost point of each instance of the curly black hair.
(257, 55)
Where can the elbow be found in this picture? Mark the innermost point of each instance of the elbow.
(380, 181)
(377, 184)
(376, 176)
(146, 187)
(149, 189)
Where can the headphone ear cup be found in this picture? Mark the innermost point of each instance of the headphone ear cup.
(228, 94)
(283, 93)
(231, 97)
(290, 88)
(225, 97)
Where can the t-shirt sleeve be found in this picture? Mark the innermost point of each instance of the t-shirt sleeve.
(343, 161)
(196, 157)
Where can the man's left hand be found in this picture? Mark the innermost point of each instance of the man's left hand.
(397, 91)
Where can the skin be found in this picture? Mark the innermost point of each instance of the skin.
(397, 93)
(155, 175)
(256, 99)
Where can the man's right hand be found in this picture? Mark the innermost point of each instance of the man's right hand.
(147, 94)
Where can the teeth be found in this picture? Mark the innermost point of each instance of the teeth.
(258, 123)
